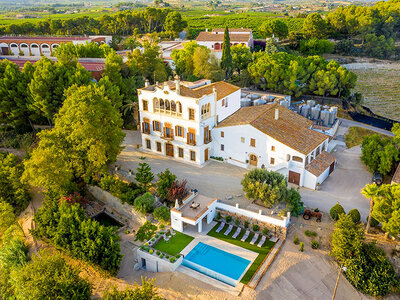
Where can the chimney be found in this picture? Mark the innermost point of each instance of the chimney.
(276, 113)
(177, 85)
(146, 83)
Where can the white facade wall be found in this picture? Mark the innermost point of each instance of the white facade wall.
(237, 147)
(228, 105)
(237, 150)
(198, 124)
(282, 222)
(156, 264)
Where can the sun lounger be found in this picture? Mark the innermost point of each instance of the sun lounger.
(220, 227)
(238, 230)
(254, 239)
(246, 235)
(228, 230)
(262, 241)
(273, 239)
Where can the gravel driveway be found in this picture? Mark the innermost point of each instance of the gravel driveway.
(220, 180)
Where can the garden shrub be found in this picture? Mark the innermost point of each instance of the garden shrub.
(237, 222)
(151, 251)
(162, 226)
(314, 244)
(146, 231)
(158, 252)
(355, 215)
(265, 231)
(228, 218)
(296, 240)
(162, 213)
(301, 246)
(310, 233)
(218, 216)
(256, 227)
(144, 203)
(12, 189)
(68, 227)
(126, 192)
(336, 211)
(246, 224)
(294, 203)
(371, 272)
(374, 222)
(172, 259)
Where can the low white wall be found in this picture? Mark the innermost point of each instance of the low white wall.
(123, 208)
(310, 180)
(284, 222)
(156, 264)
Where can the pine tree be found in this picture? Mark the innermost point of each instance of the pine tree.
(144, 176)
(226, 60)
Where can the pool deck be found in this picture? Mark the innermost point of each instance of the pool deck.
(219, 244)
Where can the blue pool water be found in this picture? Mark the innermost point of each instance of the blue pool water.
(216, 263)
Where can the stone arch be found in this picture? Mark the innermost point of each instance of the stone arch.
(173, 106)
(179, 107)
(14, 48)
(45, 49)
(35, 51)
(24, 48)
(156, 103)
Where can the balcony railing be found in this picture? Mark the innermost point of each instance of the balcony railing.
(167, 137)
(191, 142)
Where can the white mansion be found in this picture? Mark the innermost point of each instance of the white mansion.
(192, 121)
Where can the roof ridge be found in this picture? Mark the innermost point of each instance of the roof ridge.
(267, 107)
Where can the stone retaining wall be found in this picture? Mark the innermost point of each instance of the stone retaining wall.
(122, 208)
(278, 231)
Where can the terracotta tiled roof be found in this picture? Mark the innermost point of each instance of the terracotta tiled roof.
(290, 128)
(396, 176)
(223, 89)
(232, 30)
(213, 37)
(30, 39)
(321, 163)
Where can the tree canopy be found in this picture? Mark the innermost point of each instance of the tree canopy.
(379, 153)
(226, 59)
(387, 208)
(12, 190)
(274, 27)
(297, 75)
(269, 187)
(86, 137)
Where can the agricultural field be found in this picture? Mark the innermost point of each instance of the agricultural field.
(379, 84)
(251, 20)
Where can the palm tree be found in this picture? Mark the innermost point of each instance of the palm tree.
(370, 191)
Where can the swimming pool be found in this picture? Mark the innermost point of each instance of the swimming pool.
(216, 263)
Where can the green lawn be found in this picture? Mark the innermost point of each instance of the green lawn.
(356, 134)
(175, 244)
(262, 252)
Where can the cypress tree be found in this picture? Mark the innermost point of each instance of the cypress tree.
(226, 60)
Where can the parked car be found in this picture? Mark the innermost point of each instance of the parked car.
(377, 178)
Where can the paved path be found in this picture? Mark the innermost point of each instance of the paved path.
(215, 179)
(261, 271)
(350, 123)
(343, 185)
(220, 180)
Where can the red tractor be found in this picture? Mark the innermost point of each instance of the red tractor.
(307, 214)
